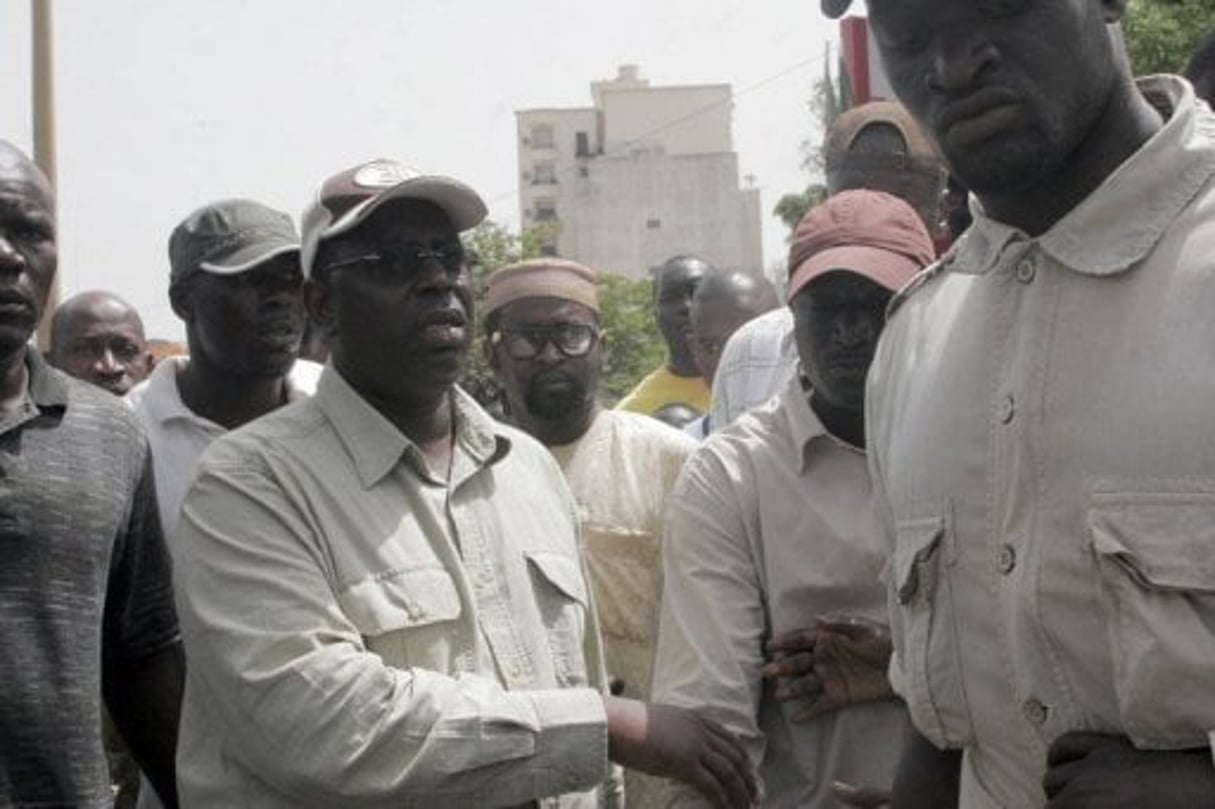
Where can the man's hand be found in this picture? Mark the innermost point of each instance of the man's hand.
(677, 743)
(833, 663)
(1099, 770)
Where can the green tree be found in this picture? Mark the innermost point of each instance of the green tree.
(634, 344)
(790, 208)
(1161, 35)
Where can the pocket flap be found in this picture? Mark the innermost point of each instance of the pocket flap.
(401, 599)
(915, 543)
(1164, 541)
(562, 572)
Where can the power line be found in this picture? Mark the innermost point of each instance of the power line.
(734, 96)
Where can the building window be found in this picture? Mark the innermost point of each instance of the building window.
(653, 224)
(582, 145)
(548, 249)
(542, 136)
(546, 210)
(584, 171)
(544, 174)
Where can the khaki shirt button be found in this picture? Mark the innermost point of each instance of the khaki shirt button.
(1034, 711)
(1007, 409)
(516, 671)
(1026, 270)
(1006, 559)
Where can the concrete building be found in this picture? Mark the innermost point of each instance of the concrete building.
(643, 174)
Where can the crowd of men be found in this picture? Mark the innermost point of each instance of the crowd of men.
(937, 530)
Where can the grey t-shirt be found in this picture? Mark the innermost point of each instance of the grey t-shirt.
(84, 578)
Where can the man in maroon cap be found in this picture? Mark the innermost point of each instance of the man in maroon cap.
(770, 530)
(382, 592)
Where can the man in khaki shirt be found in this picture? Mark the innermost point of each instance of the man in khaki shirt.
(771, 528)
(1040, 414)
(382, 593)
(546, 349)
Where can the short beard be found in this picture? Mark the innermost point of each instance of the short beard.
(547, 404)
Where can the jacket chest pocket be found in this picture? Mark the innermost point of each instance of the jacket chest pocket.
(562, 598)
(1155, 555)
(406, 616)
(927, 644)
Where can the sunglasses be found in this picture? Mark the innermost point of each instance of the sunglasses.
(571, 339)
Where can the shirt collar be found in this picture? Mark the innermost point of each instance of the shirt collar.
(376, 446)
(162, 396)
(1120, 222)
(47, 386)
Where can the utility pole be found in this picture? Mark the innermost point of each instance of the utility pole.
(44, 127)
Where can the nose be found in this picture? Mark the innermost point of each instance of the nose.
(107, 364)
(852, 329)
(548, 354)
(958, 62)
(11, 259)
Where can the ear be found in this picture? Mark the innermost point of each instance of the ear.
(179, 299)
(319, 304)
(1112, 11)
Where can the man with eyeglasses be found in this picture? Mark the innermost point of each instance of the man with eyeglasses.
(546, 348)
(382, 594)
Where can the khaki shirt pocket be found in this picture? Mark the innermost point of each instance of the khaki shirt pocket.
(405, 616)
(562, 597)
(1155, 555)
(927, 644)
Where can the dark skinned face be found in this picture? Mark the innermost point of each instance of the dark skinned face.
(673, 290)
(396, 304)
(249, 324)
(102, 342)
(28, 256)
(1008, 89)
(838, 318)
(549, 386)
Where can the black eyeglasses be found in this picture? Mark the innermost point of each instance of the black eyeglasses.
(403, 266)
(571, 339)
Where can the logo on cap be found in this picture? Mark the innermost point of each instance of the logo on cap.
(383, 174)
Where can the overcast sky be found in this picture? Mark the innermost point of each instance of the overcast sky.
(164, 105)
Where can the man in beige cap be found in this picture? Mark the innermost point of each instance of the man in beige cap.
(382, 593)
(771, 534)
(546, 347)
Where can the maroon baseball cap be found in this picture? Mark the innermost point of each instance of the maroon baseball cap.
(870, 233)
(349, 197)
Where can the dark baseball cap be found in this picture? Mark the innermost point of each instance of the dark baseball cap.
(349, 197)
(229, 237)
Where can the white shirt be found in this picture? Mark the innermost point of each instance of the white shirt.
(770, 526)
(1041, 416)
(756, 364)
(178, 436)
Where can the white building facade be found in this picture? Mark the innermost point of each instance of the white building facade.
(644, 174)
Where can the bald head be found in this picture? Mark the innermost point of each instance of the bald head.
(17, 168)
(98, 337)
(723, 302)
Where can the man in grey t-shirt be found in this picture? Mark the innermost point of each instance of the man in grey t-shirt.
(86, 606)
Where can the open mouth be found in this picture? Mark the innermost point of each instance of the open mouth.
(445, 328)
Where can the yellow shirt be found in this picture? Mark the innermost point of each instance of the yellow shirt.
(361, 633)
(661, 388)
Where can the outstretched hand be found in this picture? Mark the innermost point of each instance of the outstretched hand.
(831, 664)
(680, 744)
